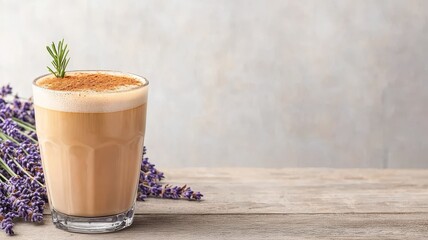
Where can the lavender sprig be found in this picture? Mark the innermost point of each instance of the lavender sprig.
(149, 185)
(22, 191)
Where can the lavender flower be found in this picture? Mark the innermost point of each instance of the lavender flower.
(5, 90)
(149, 185)
(22, 191)
(21, 197)
(7, 225)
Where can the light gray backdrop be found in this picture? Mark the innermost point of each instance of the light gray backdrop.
(249, 82)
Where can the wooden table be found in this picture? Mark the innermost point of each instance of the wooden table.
(277, 204)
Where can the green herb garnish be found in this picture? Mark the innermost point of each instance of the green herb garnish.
(59, 55)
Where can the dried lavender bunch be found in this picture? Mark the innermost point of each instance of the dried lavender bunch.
(22, 198)
(149, 185)
(22, 191)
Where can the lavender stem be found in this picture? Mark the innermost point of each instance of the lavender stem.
(7, 168)
(5, 178)
(6, 137)
(25, 171)
(24, 124)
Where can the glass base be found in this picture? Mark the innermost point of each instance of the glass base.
(105, 224)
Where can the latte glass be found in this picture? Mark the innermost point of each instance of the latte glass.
(91, 148)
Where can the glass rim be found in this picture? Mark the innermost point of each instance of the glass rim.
(145, 82)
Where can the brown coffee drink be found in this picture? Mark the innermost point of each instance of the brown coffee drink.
(91, 127)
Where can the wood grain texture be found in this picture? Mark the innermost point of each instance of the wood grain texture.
(297, 191)
(253, 226)
(279, 204)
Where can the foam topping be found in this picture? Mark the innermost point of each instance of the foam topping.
(90, 91)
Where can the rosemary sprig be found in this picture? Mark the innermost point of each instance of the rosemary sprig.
(59, 54)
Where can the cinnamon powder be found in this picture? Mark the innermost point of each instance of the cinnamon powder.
(98, 82)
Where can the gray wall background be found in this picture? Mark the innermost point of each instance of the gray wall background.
(249, 82)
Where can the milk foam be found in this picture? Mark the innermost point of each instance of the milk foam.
(123, 98)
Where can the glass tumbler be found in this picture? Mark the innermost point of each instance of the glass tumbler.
(91, 147)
